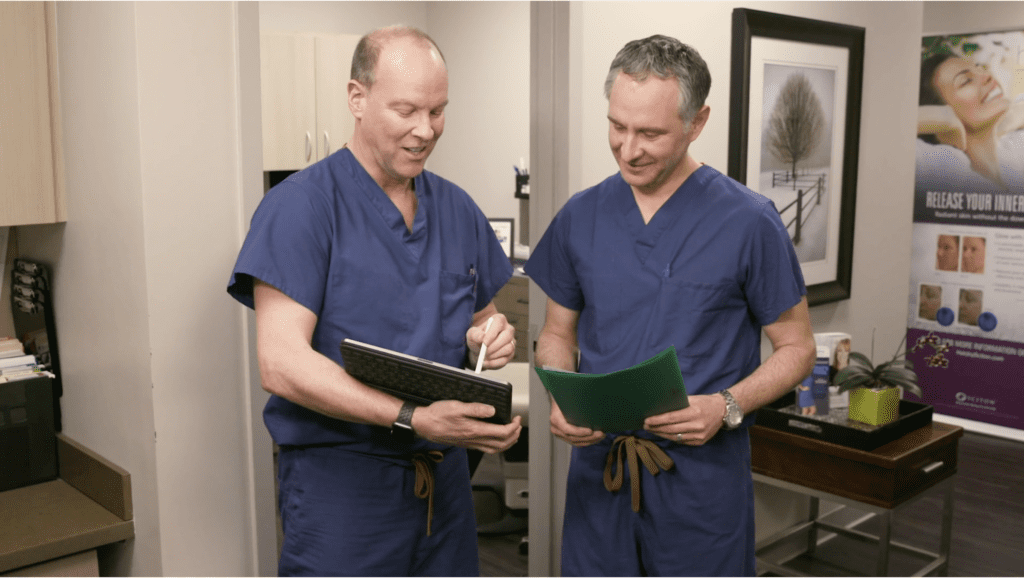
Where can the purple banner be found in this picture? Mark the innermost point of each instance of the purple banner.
(969, 377)
(966, 318)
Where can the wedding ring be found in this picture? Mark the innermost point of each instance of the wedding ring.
(679, 438)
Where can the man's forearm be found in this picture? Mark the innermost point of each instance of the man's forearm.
(781, 372)
(556, 352)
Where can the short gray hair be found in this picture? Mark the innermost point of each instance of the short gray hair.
(364, 60)
(665, 57)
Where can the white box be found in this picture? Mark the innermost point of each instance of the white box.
(838, 345)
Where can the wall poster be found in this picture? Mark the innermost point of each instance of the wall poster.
(966, 319)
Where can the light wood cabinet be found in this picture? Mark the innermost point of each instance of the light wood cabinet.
(304, 80)
(31, 163)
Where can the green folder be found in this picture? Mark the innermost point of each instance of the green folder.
(618, 401)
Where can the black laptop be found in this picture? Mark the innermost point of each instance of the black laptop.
(423, 381)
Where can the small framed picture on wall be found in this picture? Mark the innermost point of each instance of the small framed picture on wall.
(505, 230)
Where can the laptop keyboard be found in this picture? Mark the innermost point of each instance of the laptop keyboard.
(424, 387)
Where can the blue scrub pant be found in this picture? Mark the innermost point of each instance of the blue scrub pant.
(696, 519)
(346, 513)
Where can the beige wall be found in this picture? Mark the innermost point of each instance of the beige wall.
(487, 124)
(152, 348)
(486, 47)
(159, 152)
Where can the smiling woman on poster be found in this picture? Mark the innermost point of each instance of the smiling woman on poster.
(970, 129)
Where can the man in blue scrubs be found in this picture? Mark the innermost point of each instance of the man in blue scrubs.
(366, 244)
(668, 252)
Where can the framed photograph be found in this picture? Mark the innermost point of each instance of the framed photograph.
(794, 133)
(506, 233)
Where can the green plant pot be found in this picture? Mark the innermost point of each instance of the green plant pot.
(874, 406)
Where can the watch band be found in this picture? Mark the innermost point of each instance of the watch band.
(403, 423)
(733, 414)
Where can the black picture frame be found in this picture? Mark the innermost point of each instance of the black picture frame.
(505, 230)
(810, 39)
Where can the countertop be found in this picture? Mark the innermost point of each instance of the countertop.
(88, 506)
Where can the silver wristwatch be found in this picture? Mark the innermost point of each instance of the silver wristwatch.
(733, 414)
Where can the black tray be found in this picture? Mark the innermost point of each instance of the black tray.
(838, 429)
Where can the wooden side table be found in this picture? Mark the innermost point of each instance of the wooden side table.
(877, 481)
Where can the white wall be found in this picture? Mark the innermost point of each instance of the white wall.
(191, 189)
(152, 348)
(960, 17)
(486, 47)
(487, 124)
(882, 233)
(153, 359)
(340, 17)
(102, 318)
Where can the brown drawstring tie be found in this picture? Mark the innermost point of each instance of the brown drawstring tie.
(425, 479)
(649, 453)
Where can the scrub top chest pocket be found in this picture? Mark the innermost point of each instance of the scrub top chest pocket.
(458, 297)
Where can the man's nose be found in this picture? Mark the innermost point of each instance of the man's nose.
(423, 129)
(630, 149)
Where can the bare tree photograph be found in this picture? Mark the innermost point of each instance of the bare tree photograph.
(796, 155)
(796, 124)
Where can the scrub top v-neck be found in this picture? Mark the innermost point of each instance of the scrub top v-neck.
(332, 240)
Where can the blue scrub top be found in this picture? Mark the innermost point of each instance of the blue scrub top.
(712, 266)
(332, 240)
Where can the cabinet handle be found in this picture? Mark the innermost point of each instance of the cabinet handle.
(932, 467)
(309, 146)
(327, 144)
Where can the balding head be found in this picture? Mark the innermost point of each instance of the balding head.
(370, 47)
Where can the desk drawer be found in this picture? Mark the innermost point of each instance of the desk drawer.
(886, 477)
(513, 301)
(513, 298)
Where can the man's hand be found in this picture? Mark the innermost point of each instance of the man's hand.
(693, 425)
(499, 338)
(456, 423)
(577, 436)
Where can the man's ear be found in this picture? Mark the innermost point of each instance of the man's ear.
(698, 122)
(356, 98)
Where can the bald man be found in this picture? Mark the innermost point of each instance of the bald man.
(367, 245)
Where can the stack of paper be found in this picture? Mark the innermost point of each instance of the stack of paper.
(18, 367)
(10, 347)
(618, 401)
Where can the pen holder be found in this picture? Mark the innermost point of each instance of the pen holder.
(523, 186)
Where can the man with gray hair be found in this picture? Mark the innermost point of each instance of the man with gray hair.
(668, 252)
(367, 245)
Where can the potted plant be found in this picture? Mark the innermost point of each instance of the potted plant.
(874, 390)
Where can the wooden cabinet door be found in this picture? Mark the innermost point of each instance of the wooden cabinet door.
(287, 78)
(333, 69)
(30, 191)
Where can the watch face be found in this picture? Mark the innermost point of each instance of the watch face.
(401, 432)
(734, 418)
(733, 414)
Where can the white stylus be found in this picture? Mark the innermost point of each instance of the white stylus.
(483, 347)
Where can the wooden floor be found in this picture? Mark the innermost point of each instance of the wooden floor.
(988, 524)
(500, 552)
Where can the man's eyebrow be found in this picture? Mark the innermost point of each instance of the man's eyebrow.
(639, 129)
(398, 103)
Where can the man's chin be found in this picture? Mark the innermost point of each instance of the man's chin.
(410, 170)
(635, 180)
